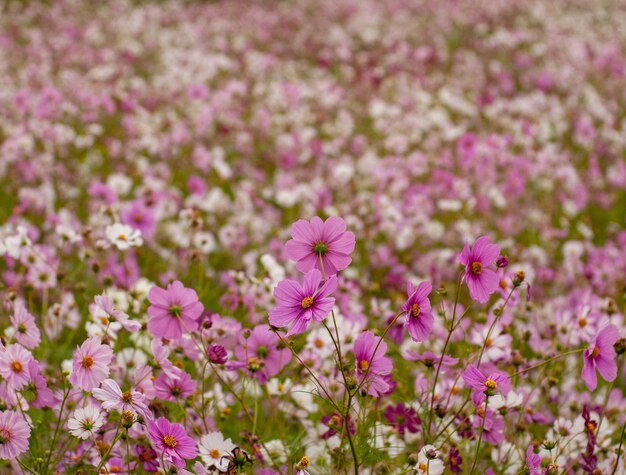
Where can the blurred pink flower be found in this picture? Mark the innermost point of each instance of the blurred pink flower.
(174, 310)
(326, 240)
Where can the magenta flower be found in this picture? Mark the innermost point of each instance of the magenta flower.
(600, 355)
(172, 441)
(298, 304)
(259, 354)
(372, 367)
(419, 321)
(317, 239)
(403, 418)
(44, 397)
(173, 311)
(14, 361)
(533, 461)
(485, 385)
(14, 434)
(91, 363)
(480, 280)
(112, 398)
(170, 389)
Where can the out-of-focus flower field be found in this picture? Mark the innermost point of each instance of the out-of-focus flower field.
(313, 237)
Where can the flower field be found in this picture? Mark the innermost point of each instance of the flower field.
(313, 237)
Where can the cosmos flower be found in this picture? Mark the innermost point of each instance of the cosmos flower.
(299, 304)
(91, 363)
(85, 422)
(317, 240)
(485, 385)
(371, 363)
(600, 355)
(14, 361)
(112, 398)
(403, 418)
(213, 449)
(123, 236)
(533, 461)
(24, 328)
(171, 440)
(419, 321)
(14, 434)
(259, 354)
(428, 461)
(174, 390)
(480, 280)
(104, 308)
(173, 311)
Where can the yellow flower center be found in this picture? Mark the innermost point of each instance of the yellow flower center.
(16, 366)
(127, 397)
(423, 466)
(477, 268)
(122, 237)
(87, 362)
(491, 384)
(364, 365)
(415, 310)
(595, 352)
(170, 441)
(307, 302)
(582, 322)
(214, 453)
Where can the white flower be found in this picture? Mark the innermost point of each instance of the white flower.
(213, 450)
(85, 422)
(123, 236)
(428, 462)
(13, 245)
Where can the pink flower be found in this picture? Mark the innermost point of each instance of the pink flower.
(14, 361)
(14, 434)
(419, 320)
(44, 397)
(174, 310)
(533, 461)
(260, 355)
(600, 355)
(480, 280)
(493, 431)
(317, 239)
(170, 389)
(485, 385)
(172, 441)
(91, 363)
(371, 364)
(299, 304)
(27, 333)
(104, 308)
(112, 398)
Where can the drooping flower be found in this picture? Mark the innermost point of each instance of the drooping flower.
(317, 240)
(24, 328)
(85, 422)
(123, 236)
(600, 355)
(482, 385)
(171, 440)
(148, 458)
(91, 363)
(14, 434)
(173, 311)
(371, 363)
(214, 449)
(44, 397)
(14, 361)
(299, 304)
(480, 280)
(112, 398)
(419, 321)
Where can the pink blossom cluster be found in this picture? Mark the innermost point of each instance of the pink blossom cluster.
(313, 237)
